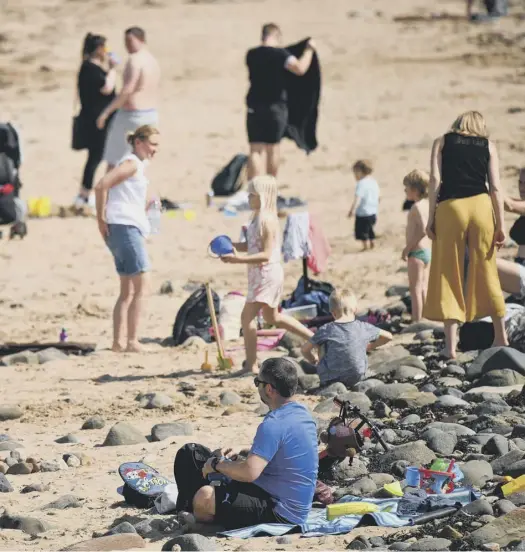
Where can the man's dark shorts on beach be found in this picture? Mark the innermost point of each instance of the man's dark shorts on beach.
(266, 124)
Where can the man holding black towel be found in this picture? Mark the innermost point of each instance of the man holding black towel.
(267, 116)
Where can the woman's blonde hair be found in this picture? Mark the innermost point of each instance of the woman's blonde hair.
(265, 187)
(143, 133)
(470, 123)
(417, 180)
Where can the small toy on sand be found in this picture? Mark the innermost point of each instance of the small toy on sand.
(225, 363)
(206, 366)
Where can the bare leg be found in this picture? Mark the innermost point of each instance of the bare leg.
(372, 244)
(204, 504)
(365, 246)
(500, 334)
(139, 283)
(274, 317)
(416, 282)
(509, 276)
(256, 160)
(273, 159)
(120, 312)
(249, 332)
(451, 338)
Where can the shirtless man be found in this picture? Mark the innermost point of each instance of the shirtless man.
(136, 105)
(267, 110)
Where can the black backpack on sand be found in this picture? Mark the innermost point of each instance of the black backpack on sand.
(230, 179)
(194, 317)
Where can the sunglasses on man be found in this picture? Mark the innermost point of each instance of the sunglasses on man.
(257, 382)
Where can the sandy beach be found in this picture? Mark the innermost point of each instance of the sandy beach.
(389, 88)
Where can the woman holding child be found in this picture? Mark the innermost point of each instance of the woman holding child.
(463, 213)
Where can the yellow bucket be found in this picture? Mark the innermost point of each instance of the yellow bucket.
(39, 206)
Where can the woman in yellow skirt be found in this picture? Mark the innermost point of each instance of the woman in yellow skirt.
(464, 212)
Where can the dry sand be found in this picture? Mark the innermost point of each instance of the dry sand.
(389, 88)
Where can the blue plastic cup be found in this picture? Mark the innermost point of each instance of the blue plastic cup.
(412, 476)
(221, 245)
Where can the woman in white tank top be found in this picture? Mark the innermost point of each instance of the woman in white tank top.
(121, 198)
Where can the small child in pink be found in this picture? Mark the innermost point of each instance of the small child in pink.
(265, 271)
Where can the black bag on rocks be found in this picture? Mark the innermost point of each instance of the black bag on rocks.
(187, 469)
(230, 179)
(194, 318)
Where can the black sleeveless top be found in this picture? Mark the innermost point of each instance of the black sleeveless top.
(464, 166)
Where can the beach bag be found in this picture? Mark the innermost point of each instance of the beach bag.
(142, 484)
(318, 294)
(231, 178)
(187, 470)
(193, 318)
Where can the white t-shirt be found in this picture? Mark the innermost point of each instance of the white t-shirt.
(126, 202)
(367, 191)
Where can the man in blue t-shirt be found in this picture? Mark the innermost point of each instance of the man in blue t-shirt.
(276, 482)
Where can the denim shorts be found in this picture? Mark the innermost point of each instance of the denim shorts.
(128, 247)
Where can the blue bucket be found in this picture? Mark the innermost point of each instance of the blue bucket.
(412, 476)
(221, 245)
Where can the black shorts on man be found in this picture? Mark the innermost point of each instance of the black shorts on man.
(267, 115)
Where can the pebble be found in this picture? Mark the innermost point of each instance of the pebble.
(416, 452)
(192, 542)
(53, 466)
(229, 398)
(73, 461)
(35, 488)
(504, 506)
(25, 357)
(50, 355)
(440, 441)
(415, 399)
(430, 544)
(69, 438)
(10, 413)
(20, 468)
(29, 525)
(156, 400)
(479, 507)
(284, 540)
(123, 433)
(64, 502)
(3, 468)
(124, 527)
(124, 541)
(477, 473)
(95, 422)
(10, 445)
(390, 391)
(5, 486)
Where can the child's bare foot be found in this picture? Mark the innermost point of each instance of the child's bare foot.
(117, 348)
(246, 369)
(134, 347)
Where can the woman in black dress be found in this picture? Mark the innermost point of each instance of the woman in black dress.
(96, 89)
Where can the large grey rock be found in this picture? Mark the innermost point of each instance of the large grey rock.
(95, 422)
(449, 401)
(448, 381)
(387, 354)
(477, 473)
(53, 465)
(390, 391)
(123, 433)
(440, 441)
(496, 358)
(309, 381)
(5, 486)
(20, 468)
(479, 507)
(364, 386)
(501, 378)
(514, 470)
(123, 541)
(229, 398)
(345, 471)
(416, 452)
(332, 390)
(192, 542)
(121, 528)
(411, 419)
(25, 357)
(502, 531)
(64, 502)
(408, 373)
(357, 399)
(159, 432)
(51, 354)
(414, 399)
(10, 413)
(518, 431)
(29, 525)
(430, 544)
(457, 429)
(390, 367)
(67, 439)
(491, 408)
(504, 506)
(501, 465)
(361, 487)
(497, 445)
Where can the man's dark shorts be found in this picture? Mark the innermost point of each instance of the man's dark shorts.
(242, 505)
(266, 124)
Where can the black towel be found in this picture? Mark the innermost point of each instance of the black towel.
(303, 101)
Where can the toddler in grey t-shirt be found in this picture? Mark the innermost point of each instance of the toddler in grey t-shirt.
(342, 345)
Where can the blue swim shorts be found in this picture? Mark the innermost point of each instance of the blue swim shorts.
(128, 247)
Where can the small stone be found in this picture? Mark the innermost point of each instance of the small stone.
(73, 461)
(448, 401)
(29, 525)
(440, 441)
(390, 391)
(95, 422)
(454, 371)
(479, 507)
(309, 381)
(21, 468)
(51, 354)
(477, 473)
(284, 540)
(262, 410)
(410, 420)
(10, 445)
(430, 544)
(451, 533)
(234, 409)
(414, 399)
(63, 503)
(377, 542)
(501, 465)
(5, 486)
(123, 433)
(159, 432)
(3, 468)
(332, 390)
(121, 528)
(382, 410)
(10, 413)
(25, 357)
(399, 546)
(504, 506)
(69, 438)
(156, 400)
(497, 445)
(229, 398)
(53, 466)
(166, 288)
(35, 488)
(494, 546)
(124, 541)
(416, 452)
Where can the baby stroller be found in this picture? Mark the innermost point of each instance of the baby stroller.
(12, 208)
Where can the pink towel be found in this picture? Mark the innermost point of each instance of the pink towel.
(318, 259)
